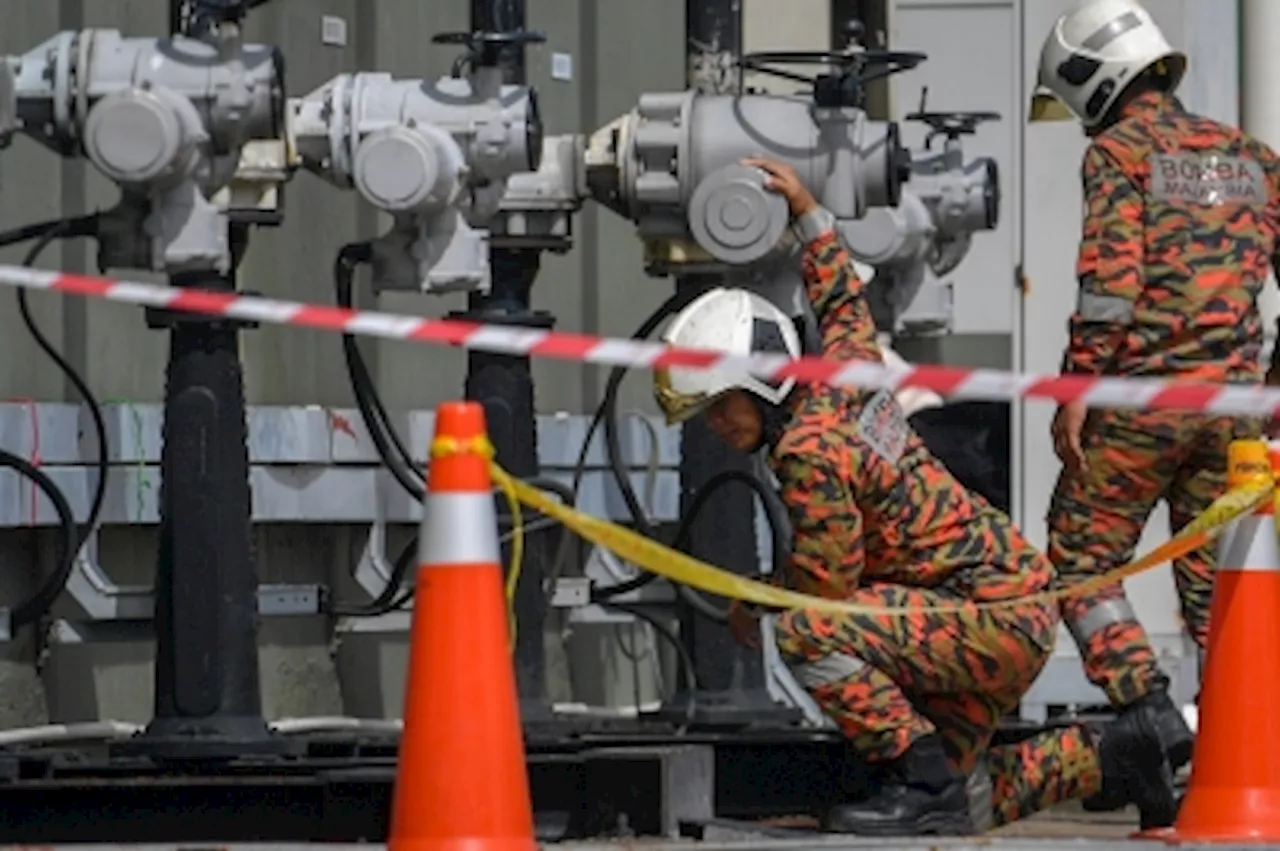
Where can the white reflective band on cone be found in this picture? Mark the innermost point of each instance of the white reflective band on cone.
(458, 528)
(1250, 546)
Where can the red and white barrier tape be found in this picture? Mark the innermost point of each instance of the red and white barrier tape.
(951, 382)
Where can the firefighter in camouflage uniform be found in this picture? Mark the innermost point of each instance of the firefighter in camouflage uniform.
(877, 520)
(1179, 230)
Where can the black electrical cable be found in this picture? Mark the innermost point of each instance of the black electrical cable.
(606, 413)
(396, 457)
(386, 441)
(393, 595)
(668, 635)
(773, 513)
(391, 449)
(32, 231)
(386, 601)
(34, 607)
(607, 410)
(70, 540)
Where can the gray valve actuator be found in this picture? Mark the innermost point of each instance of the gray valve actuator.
(434, 155)
(672, 165)
(916, 244)
(168, 121)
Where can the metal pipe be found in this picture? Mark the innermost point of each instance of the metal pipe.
(208, 699)
(730, 679)
(504, 386)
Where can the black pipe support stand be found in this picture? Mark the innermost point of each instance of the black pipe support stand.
(504, 386)
(732, 692)
(208, 701)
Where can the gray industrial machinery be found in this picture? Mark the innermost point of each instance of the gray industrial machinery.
(536, 213)
(916, 244)
(173, 123)
(673, 166)
(191, 128)
(435, 155)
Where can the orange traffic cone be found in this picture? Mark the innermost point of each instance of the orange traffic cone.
(462, 783)
(1234, 793)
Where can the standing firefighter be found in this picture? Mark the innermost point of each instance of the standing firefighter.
(879, 522)
(1179, 229)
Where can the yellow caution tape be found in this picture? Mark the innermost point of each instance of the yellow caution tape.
(441, 446)
(678, 567)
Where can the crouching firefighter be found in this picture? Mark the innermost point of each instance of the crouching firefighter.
(1179, 231)
(878, 521)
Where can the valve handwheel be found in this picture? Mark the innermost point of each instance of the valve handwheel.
(483, 50)
(193, 12)
(492, 38)
(865, 65)
(953, 124)
(484, 47)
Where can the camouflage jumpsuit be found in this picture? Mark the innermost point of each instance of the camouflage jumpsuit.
(1179, 229)
(878, 521)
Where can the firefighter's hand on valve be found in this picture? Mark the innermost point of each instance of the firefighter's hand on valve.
(784, 180)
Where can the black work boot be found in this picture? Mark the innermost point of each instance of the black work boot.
(1171, 725)
(920, 795)
(1176, 739)
(1135, 769)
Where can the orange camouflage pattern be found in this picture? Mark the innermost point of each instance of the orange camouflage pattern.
(1180, 230)
(878, 520)
(957, 675)
(1169, 285)
(867, 498)
(1096, 517)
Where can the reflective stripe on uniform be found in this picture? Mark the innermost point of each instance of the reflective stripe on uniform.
(458, 528)
(1100, 616)
(829, 669)
(1114, 309)
(981, 794)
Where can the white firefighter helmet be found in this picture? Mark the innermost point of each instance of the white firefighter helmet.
(1093, 53)
(733, 321)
